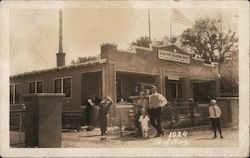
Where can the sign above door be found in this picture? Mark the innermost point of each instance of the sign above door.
(171, 77)
(172, 56)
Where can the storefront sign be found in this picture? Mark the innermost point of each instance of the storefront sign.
(170, 77)
(166, 55)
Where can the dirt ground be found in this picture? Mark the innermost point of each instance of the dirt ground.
(172, 138)
(201, 137)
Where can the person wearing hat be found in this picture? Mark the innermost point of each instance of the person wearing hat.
(214, 113)
(156, 102)
(103, 113)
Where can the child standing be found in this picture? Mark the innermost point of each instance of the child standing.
(214, 113)
(144, 123)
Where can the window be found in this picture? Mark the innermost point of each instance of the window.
(39, 86)
(32, 87)
(15, 93)
(63, 85)
(11, 94)
(36, 87)
(175, 90)
(57, 86)
(67, 87)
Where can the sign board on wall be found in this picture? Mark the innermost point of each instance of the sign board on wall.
(176, 78)
(166, 55)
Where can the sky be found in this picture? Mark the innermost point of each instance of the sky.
(34, 33)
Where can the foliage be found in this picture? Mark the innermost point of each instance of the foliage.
(171, 115)
(229, 81)
(85, 59)
(143, 41)
(211, 39)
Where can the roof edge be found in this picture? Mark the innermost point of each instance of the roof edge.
(88, 63)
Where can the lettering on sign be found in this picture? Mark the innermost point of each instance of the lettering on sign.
(166, 55)
(170, 77)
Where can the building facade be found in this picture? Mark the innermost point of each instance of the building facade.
(121, 75)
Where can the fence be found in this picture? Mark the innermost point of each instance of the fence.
(173, 116)
(17, 125)
(176, 116)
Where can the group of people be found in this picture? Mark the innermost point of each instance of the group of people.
(152, 107)
(147, 110)
(149, 107)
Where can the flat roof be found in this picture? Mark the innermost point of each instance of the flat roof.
(88, 63)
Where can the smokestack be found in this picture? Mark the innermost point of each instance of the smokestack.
(60, 56)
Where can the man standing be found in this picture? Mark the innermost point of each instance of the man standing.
(103, 113)
(214, 113)
(156, 102)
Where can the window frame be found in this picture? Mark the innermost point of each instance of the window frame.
(177, 95)
(62, 80)
(60, 84)
(42, 86)
(14, 93)
(36, 86)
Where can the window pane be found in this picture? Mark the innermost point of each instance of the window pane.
(32, 87)
(172, 90)
(11, 94)
(57, 86)
(67, 86)
(179, 88)
(17, 94)
(39, 88)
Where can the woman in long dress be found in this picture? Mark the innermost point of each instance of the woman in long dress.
(142, 103)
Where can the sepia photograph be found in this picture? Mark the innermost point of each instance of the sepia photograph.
(125, 79)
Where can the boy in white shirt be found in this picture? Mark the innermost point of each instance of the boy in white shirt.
(214, 113)
(144, 123)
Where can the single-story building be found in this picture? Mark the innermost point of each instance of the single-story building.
(121, 75)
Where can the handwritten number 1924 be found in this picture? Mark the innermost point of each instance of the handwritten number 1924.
(177, 134)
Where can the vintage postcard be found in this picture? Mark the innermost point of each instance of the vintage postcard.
(124, 79)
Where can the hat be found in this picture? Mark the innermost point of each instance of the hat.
(142, 92)
(109, 98)
(213, 101)
(153, 87)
